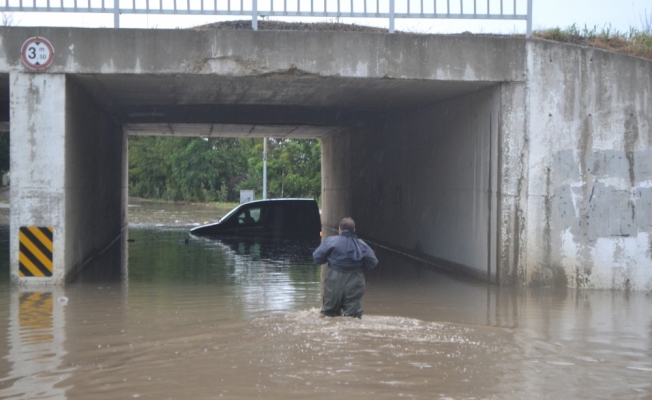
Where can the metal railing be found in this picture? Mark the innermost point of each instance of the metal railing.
(388, 9)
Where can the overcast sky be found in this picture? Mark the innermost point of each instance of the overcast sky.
(621, 14)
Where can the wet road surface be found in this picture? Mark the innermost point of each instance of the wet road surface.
(161, 317)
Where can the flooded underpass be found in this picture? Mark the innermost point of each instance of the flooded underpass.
(165, 316)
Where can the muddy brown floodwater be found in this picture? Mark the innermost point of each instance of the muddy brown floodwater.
(159, 317)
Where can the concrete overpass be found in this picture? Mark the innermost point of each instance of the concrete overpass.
(516, 161)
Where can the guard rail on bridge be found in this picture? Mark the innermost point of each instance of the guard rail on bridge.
(390, 9)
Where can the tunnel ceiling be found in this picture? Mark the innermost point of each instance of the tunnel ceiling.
(276, 105)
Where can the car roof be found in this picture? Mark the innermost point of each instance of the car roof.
(275, 200)
(239, 207)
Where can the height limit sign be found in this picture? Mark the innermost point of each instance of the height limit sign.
(37, 53)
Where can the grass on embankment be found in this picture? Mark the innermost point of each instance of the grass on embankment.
(635, 42)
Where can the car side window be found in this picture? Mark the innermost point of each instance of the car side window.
(249, 216)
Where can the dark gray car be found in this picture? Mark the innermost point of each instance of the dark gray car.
(275, 218)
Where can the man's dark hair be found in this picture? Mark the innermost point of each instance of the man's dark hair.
(347, 223)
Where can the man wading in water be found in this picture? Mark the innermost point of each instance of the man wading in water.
(344, 284)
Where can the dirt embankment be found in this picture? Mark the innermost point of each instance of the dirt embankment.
(291, 26)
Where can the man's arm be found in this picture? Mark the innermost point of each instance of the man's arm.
(369, 260)
(320, 255)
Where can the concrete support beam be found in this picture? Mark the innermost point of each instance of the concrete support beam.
(254, 53)
(336, 175)
(513, 150)
(67, 177)
(38, 142)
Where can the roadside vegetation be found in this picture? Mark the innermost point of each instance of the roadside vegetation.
(216, 169)
(635, 42)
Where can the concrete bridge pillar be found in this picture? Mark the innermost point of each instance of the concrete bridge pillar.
(336, 180)
(68, 178)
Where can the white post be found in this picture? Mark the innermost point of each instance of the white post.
(391, 16)
(116, 13)
(529, 19)
(264, 168)
(254, 16)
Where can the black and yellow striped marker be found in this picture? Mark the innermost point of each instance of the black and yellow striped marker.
(35, 251)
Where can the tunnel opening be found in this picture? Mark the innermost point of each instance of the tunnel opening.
(414, 162)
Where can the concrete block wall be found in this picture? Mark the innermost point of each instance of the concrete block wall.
(425, 182)
(589, 168)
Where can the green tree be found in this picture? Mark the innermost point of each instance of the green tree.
(293, 168)
(150, 167)
(197, 169)
(200, 168)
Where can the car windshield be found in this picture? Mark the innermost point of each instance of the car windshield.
(229, 214)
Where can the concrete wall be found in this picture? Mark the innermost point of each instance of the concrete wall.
(513, 150)
(589, 168)
(94, 178)
(246, 53)
(522, 161)
(67, 171)
(38, 142)
(425, 182)
(573, 202)
(336, 176)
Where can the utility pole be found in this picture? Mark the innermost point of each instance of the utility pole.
(264, 168)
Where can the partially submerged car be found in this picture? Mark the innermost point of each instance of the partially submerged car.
(274, 219)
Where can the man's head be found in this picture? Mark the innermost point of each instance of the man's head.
(347, 223)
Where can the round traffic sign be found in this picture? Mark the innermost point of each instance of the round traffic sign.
(37, 53)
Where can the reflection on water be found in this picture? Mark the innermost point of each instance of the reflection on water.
(35, 347)
(169, 316)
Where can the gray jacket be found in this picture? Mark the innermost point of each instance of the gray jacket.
(345, 253)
